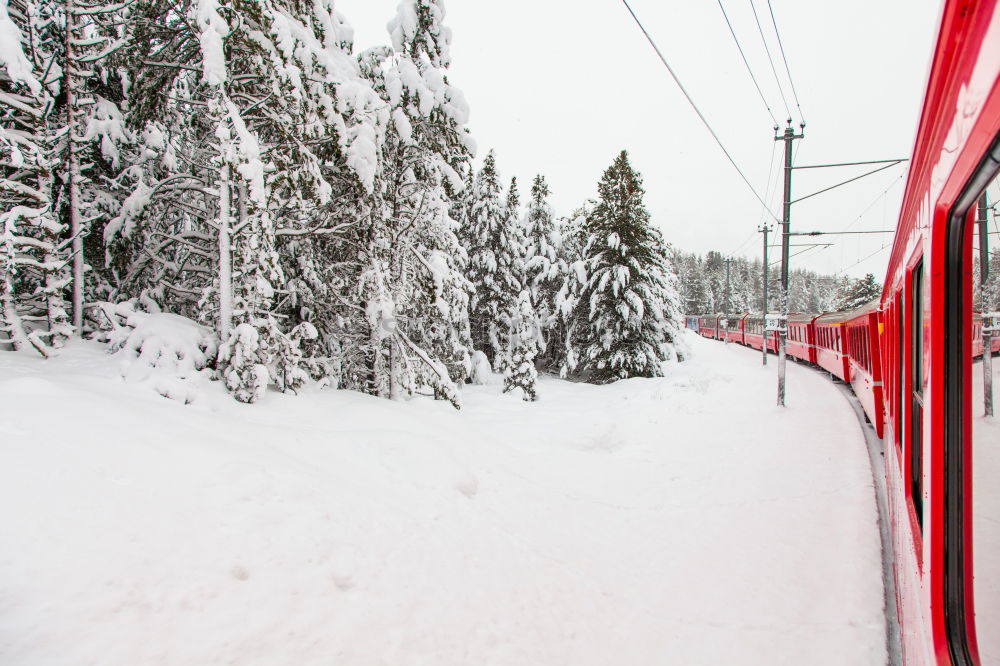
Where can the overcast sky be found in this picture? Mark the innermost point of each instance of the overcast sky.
(559, 87)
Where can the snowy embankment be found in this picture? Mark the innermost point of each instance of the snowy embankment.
(683, 520)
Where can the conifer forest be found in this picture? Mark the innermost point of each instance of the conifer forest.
(311, 211)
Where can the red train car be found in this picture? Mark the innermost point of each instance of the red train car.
(864, 362)
(753, 328)
(708, 326)
(947, 581)
(733, 329)
(831, 350)
(801, 342)
(977, 337)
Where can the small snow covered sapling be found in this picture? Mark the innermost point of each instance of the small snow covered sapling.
(520, 371)
(239, 364)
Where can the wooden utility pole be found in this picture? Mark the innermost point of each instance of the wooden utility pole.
(728, 262)
(789, 136)
(984, 276)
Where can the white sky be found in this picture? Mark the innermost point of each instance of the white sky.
(558, 87)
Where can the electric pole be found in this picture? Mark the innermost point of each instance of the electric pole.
(984, 276)
(728, 262)
(765, 229)
(789, 136)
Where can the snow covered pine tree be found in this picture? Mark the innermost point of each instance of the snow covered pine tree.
(33, 249)
(859, 292)
(630, 299)
(520, 371)
(494, 264)
(541, 257)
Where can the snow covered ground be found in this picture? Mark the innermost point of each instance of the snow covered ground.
(683, 520)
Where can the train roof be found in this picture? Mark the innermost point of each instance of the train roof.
(837, 317)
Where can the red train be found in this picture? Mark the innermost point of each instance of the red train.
(915, 357)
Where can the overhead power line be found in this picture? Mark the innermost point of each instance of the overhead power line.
(863, 259)
(743, 244)
(749, 71)
(849, 180)
(874, 201)
(767, 50)
(895, 160)
(841, 233)
(768, 194)
(695, 107)
(802, 116)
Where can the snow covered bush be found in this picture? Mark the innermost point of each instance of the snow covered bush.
(241, 364)
(482, 372)
(170, 353)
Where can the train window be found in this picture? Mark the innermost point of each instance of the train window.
(916, 389)
(898, 407)
(971, 436)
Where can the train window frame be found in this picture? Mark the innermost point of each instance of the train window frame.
(959, 614)
(915, 396)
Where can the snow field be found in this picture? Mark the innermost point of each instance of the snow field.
(681, 520)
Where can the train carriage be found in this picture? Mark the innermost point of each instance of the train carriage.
(733, 329)
(708, 326)
(864, 361)
(831, 352)
(947, 578)
(977, 337)
(754, 334)
(801, 342)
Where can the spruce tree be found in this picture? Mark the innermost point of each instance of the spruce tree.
(522, 348)
(570, 321)
(631, 302)
(541, 258)
(494, 264)
(859, 292)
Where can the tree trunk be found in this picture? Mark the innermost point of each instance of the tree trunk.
(74, 145)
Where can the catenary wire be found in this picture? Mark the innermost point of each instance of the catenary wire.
(770, 59)
(874, 201)
(749, 71)
(694, 106)
(743, 244)
(768, 194)
(863, 259)
(781, 46)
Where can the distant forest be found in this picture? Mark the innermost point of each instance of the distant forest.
(702, 286)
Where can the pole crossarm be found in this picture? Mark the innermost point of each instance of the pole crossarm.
(841, 233)
(850, 180)
(896, 160)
